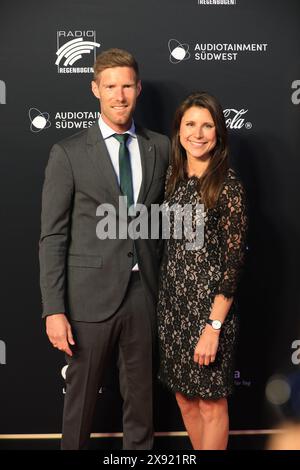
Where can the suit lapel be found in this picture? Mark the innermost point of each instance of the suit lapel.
(147, 152)
(98, 153)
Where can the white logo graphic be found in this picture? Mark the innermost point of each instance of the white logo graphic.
(2, 92)
(178, 51)
(234, 119)
(296, 94)
(39, 121)
(74, 49)
(2, 352)
(64, 371)
(75, 119)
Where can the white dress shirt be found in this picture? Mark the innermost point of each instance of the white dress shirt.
(113, 146)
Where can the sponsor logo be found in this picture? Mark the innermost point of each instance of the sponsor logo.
(38, 120)
(2, 92)
(178, 51)
(227, 3)
(75, 119)
(63, 372)
(235, 119)
(2, 352)
(296, 94)
(239, 380)
(74, 46)
(211, 51)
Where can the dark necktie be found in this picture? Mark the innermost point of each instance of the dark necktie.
(125, 168)
(125, 176)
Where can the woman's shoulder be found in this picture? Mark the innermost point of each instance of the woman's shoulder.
(232, 184)
(232, 179)
(231, 175)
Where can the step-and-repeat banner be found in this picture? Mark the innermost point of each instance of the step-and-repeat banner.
(247, 53)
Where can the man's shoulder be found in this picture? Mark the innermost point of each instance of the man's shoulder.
(72, 141)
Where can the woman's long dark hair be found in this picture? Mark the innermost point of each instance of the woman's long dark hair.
(210, 184)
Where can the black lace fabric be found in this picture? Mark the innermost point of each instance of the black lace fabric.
(191, 278)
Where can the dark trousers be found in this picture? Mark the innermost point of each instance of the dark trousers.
(130, 329)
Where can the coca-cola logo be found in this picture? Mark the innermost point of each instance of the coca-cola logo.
(235, 119)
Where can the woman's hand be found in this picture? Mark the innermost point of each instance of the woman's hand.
(207, 346)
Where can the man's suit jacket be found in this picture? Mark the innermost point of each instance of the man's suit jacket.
(81, 275)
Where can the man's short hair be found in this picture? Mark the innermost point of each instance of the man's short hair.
(115, 58)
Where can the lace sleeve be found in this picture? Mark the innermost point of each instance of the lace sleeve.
(232, 231)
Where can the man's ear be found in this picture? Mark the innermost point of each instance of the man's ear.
(95, 89)
(139, 87)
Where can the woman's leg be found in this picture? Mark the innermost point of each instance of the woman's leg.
(206, 422)
(215, 422)
(190, 412)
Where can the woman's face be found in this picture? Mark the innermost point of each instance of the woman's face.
(197, 133)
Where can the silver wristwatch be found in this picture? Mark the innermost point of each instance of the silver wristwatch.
(216, 324)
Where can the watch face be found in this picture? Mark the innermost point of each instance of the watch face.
(216, 324)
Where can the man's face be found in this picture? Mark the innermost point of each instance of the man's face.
(117, 90)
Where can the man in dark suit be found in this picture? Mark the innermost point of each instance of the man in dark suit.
(101, 293)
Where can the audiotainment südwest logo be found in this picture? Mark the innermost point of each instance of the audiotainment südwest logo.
(74, 46)
(211, 51)
(296, 94)
(2, 92)
(38, 120)
(77, 120)
(178, 51)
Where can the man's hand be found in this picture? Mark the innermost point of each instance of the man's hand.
(59, 332)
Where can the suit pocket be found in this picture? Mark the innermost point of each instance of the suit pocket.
(85, 261)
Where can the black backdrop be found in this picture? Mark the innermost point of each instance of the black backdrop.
(258, 86)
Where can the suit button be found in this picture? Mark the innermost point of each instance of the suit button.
(130, 254)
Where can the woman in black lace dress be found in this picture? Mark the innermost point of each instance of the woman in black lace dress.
(196, 318)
